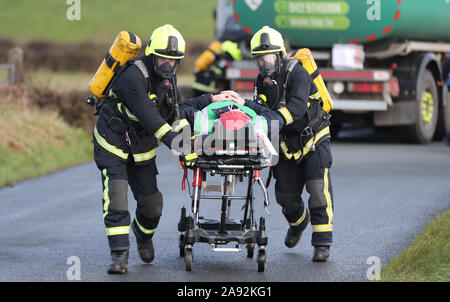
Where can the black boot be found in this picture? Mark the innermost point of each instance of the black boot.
(294, 233)
(321, 253)
(119, 263)
(145, 250)
(145, 247)
(293, 237)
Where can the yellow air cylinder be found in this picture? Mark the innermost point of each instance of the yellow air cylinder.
(309, 64)
(208, 56)
(125, 46)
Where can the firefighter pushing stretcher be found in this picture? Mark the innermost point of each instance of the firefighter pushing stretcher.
(140, 108)
(293, 88)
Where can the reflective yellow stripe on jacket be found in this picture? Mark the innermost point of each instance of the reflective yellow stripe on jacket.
(162, 131)
(140, 157)
(287, 115)
(130, 115)
(181, 124)
(111, 148)
(309, 144)
(285, 150)
(307, 147)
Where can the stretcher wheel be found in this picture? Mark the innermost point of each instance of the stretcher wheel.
(181, 246)
(261, 260)
(181, 251)
(188, 258)
(250, 250)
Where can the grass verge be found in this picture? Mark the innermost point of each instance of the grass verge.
(427, 259)
(35, 141)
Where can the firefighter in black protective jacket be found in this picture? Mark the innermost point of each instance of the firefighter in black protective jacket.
(284, 86)
(139, 112)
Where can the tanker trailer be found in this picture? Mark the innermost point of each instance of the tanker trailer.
(380, 59)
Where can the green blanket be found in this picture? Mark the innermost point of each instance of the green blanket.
(204, 119)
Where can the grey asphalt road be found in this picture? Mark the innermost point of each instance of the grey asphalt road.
(385, 194)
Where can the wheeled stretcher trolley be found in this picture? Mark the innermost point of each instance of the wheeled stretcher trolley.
(242, 155)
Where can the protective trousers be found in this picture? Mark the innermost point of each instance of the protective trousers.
(314, 173)
(142, 180)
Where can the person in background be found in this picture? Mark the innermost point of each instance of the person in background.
(210, 67)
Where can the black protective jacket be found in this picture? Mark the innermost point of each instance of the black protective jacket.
(298, 101)
(140, 112)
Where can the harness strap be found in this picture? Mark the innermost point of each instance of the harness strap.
(315, 74)
(110, 61)
(183, 181)
(142, 68)
(290, 67)
(132, 37)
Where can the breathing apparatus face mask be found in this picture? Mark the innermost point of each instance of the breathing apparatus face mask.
(268, 64)
(164, 67)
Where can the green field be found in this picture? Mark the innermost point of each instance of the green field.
(101, 20)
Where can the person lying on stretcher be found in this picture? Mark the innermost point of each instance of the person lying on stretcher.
(230, 128)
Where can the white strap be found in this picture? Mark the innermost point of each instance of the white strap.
(142, 67)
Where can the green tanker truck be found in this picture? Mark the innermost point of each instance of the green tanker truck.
(381, 59)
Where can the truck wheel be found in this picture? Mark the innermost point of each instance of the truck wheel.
(427, 106)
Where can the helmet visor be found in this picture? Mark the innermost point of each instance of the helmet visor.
(267, 64)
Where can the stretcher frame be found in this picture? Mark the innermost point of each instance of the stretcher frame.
(194, 228)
